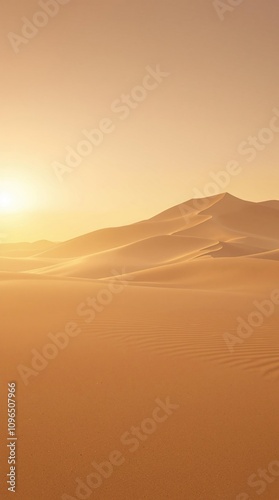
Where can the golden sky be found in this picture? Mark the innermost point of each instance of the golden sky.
(176, 92)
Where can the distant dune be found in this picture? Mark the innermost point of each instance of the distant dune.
(183, 280)
(217, 227)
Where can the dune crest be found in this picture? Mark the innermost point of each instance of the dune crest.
(185, 237)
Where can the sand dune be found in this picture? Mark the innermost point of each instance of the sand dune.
(216, 274)
(181, 281)
(223, 227)
(220, 226)
(24, 249)
(270, 255)
(172, 248)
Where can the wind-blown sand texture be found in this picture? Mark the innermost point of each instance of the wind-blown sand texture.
(189, 273)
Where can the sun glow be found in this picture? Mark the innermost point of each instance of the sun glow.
(16, 196)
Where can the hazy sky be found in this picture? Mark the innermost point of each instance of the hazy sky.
(161, 147)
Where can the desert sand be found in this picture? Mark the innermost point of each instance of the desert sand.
(151, 311)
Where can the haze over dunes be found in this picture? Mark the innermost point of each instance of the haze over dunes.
(184, 279)
(176, 246)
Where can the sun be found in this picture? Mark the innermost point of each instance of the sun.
(9, 202)
(6, 201)
(15, 197)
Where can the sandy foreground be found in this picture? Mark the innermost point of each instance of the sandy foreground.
(146, 358)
